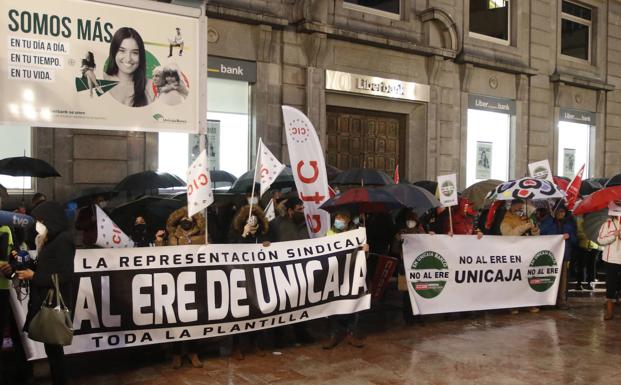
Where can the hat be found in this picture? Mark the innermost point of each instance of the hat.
(292, 202)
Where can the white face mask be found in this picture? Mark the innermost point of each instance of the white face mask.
(40, 228)
(410, 224)
(253, 201)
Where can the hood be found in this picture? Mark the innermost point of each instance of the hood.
(53, 217)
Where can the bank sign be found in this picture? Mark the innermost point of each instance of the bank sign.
(488, 103)
(577, 116)
(376, 86)
(85, 64)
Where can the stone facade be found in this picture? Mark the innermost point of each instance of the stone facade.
(294, 42)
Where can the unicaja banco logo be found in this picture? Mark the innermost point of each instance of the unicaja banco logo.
(158, 117)
(541, 172)
(542, 271)
(447, 188)
(428, 274)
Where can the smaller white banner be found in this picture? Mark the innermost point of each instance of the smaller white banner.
(447, 186)
(462, 273)
(541, 170)
(109, 235)
(268, 167)
(200, 195)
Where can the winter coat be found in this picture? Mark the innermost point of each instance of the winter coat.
(583, 241)
(178, 236)
(55, 257)
(87, 223)
(237, 227)
(611, 243)
(514, 225)
(550, 226)
(284, 229)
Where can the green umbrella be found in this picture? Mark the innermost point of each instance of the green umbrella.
(477, 192)
(593, 222)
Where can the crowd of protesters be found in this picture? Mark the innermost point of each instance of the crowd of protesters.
(246, 222)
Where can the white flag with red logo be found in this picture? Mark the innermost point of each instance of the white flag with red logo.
(268, 167)
(573, 189)
(109, 235)
(200, 195)
(309, 169)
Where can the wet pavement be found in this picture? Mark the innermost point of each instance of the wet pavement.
(550, 347)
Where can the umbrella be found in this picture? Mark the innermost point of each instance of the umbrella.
(26, 166)
(363, 176)
(561, 182)
(428, 185)
(87, 196)
(149, 180)
(4, 194)
(527, 188)
(614, 181)
(414, 197)
(332, 172)
(478, 192)
(244, 182)
(589, 186)
(598, 200)
(593, 222)
(362, 200)
(221, 176)
(155, 211)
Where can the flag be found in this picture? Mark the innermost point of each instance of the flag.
(574, 189)
(200, 195)
(270, 213)
(268, 167)
(109, 235)
(396, 177)
(309, 169)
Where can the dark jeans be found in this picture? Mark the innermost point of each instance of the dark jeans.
(344, 324)
(185, 347)
(585, 269)
(56, 358)
(612, 280)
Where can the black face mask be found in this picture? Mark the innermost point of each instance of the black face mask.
(298, 217)
(140, 229)
(186, 225)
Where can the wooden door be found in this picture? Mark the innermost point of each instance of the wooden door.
(360, 138)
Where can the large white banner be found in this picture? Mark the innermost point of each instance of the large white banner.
(84, 64)
(462, 273)
(309, 169)
(139, 296)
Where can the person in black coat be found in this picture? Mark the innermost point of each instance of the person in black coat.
(56, 251)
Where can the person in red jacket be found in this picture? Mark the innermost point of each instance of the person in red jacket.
(463, 216)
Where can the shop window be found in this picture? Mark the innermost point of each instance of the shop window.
(19, 145)
(488, 146)
(574, 141)
(576, 22)
(489, 20)
(388, 8)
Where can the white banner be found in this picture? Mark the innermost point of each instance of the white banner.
(84, 64)
(462, 273)
(447, 186)
(309, 169)
(200, 195)
(109, 235)
(268, 167)
(541, 170)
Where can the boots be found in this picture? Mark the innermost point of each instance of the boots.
(610, 307)
(176, 361)
(194, 360)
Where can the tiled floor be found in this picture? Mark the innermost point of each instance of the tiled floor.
(551, 347)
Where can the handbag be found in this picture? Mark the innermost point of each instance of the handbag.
(52, 324)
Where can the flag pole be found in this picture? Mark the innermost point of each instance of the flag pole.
(254, 177)
(450, 219)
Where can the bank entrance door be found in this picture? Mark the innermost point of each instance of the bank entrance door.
(370, 139)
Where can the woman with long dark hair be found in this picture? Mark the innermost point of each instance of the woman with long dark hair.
(127, 64)
(88, 72)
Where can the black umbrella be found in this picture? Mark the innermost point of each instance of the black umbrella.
(87, 196)
(221, 176)
(244, 182)
(428, 185)
(149, 180)
(26, 166)
(155, 211)
(414, 197)
(614, 181)
(363, 177)
(4, 194)
(589, 186)
(332, 172)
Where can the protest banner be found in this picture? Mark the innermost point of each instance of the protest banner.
(462, 273)
(541, 170)
(140, 296)
(447, 186)
(309, 169)
(87, 64)
(200, 195)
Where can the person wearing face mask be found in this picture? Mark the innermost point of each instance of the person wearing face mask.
(86, 221)
(139, 233)
(408, 223)
(56, 251)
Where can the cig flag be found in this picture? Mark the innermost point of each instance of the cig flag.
(268, 167)
(309, 169)
(574, 189)
(109, 235)
(200, 195)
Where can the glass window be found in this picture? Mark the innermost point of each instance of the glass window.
(488, 146)
(391, 6)
(573, 149)
(228, 137)
(490, 18)
(19, 145)
(575, 31)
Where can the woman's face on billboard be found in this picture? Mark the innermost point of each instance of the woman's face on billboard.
(128, 56)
